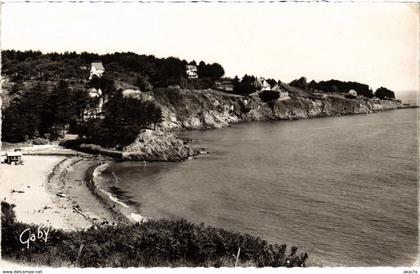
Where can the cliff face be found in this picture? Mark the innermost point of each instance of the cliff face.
(196, 109)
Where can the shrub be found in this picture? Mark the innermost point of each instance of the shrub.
(154, 243)
(40, 141)
(384, 93)
(269, 95)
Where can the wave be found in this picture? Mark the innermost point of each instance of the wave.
(113, 198)
(116, 204)
(99, 169)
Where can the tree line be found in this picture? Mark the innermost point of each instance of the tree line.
(126, 66)
(50, 93)
(42, 111)
(343, 87)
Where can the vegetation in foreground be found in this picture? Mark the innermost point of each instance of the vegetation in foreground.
(154, 243)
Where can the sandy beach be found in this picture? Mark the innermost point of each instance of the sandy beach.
(51, 191)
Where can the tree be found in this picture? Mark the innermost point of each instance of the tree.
(300, 83)
(245, 86)
(384, 93)
(24, 114)
(217, 71)
(271, 82)
(124, 118)
(213, 71)
(104, 83)
(269, 95)
(143, 84)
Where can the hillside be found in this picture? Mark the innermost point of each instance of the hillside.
(198, 109)
(48, 95)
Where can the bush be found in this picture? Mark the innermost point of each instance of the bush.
(269, 95)
(40, 141)
(384, 94)
(154, 243)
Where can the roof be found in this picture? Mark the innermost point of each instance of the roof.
(260, 81)
(11, 154)
(98, 66)
(191, 67)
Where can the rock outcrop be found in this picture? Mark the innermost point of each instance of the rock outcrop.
(152, 145)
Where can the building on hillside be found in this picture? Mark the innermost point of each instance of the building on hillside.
(137, 94)
(95, 93)
(94, 109)
(96, 69)
(261, 84)
(225, 84)
(352, 94)
(191, 71)
(284, 94)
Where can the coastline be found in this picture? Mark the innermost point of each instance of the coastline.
(125, 213)
(84, 203)
(73, 176)
(63, 199)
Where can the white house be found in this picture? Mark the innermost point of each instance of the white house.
(96, 69)
(261, 84)
(95, 93)
(225, 84)
(131, 93)
(94, 110)
(191, 71)
(352, 93)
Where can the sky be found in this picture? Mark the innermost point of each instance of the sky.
(372, 43)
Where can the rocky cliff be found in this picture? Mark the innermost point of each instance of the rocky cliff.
(197, 109)
(152, 145)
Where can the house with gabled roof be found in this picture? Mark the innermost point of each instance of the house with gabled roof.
(261, 84)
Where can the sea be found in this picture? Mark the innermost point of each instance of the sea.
(344, 189)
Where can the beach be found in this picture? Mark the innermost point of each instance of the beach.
(51, 191)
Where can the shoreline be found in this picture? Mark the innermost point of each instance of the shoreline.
(124, 212)
(63, 200)
(85, 202)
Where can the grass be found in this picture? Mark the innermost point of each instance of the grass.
(172, 243)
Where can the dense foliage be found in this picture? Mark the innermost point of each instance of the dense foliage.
(213, 71)
(384, 93)
(300, 83)
(336, 86)
(43, 109)
(124, 117)
(245, 86)
(154, 243)
(126, 66)
(269, 95)
(50, 93)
